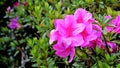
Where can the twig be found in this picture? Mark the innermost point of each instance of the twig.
(106, 44)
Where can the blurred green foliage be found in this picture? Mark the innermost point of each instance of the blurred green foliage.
(32, 39)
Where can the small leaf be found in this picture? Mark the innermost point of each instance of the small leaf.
(109, 10)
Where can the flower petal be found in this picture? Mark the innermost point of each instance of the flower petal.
(64, 53)
(79, 28)
(113, 46)
(54, 35)
(72, 54)
(77, 40)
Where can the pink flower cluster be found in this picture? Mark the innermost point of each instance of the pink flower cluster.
(79, 30)
(16, 4)
(14, 23)
(73, 31)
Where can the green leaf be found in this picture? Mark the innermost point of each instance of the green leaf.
(94, 66)
(109, 10)
(103, 65)
(35, 65)
(118, 66)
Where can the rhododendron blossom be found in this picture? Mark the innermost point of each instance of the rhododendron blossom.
(14, 23)
(89, 33)
(97, 41)
(113, 46)
(83, 16)
(108, 17)
(63, 51)
(72, 31)
(8, 9)
(24, 3)
(67, 34)
(16, 4)
(79, 30)
(114, 24)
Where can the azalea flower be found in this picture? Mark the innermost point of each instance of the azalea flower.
(14, 23)
(16, 4)
(114, 24)
(24, 3)
(108, 17)
(98, 41)
(84, 17)
(63, 51)
(75, 31)
(67, 30)
(8, 9)
(67, 34)
(113, 46)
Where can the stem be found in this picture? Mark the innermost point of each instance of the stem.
(38, 65)
(18, 43)
(106, 44)
(24, 57)
(45, 58)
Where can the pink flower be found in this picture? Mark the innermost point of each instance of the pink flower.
(16, 4)
(109, 28)
(73, 31)
(84, 17)
(24, 3)
(63, 51)
(98, 41)
(14, 23)
(113, 46)
(8, 9)
(116, 22)
(67, 30)
(114, 25)
(67, 34)
(108, 17)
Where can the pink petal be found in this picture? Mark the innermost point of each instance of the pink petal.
(116, 21)
(59, 47)
(57, 22)
(77, 40)
(64, 53)
(69, 21)
(89, 28)
(99, 42)
(91, 37)
(67, 42)
(72, 54)
(82, 16)
(113, 46)
(85, 44)
(117, 30)
(16, 4)
(8, 9)
(97, 27)
(108, 17)
(60, 26)
(54, 35)
(79, 28)
(79, 14)
(109, 28)
(88, 18)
